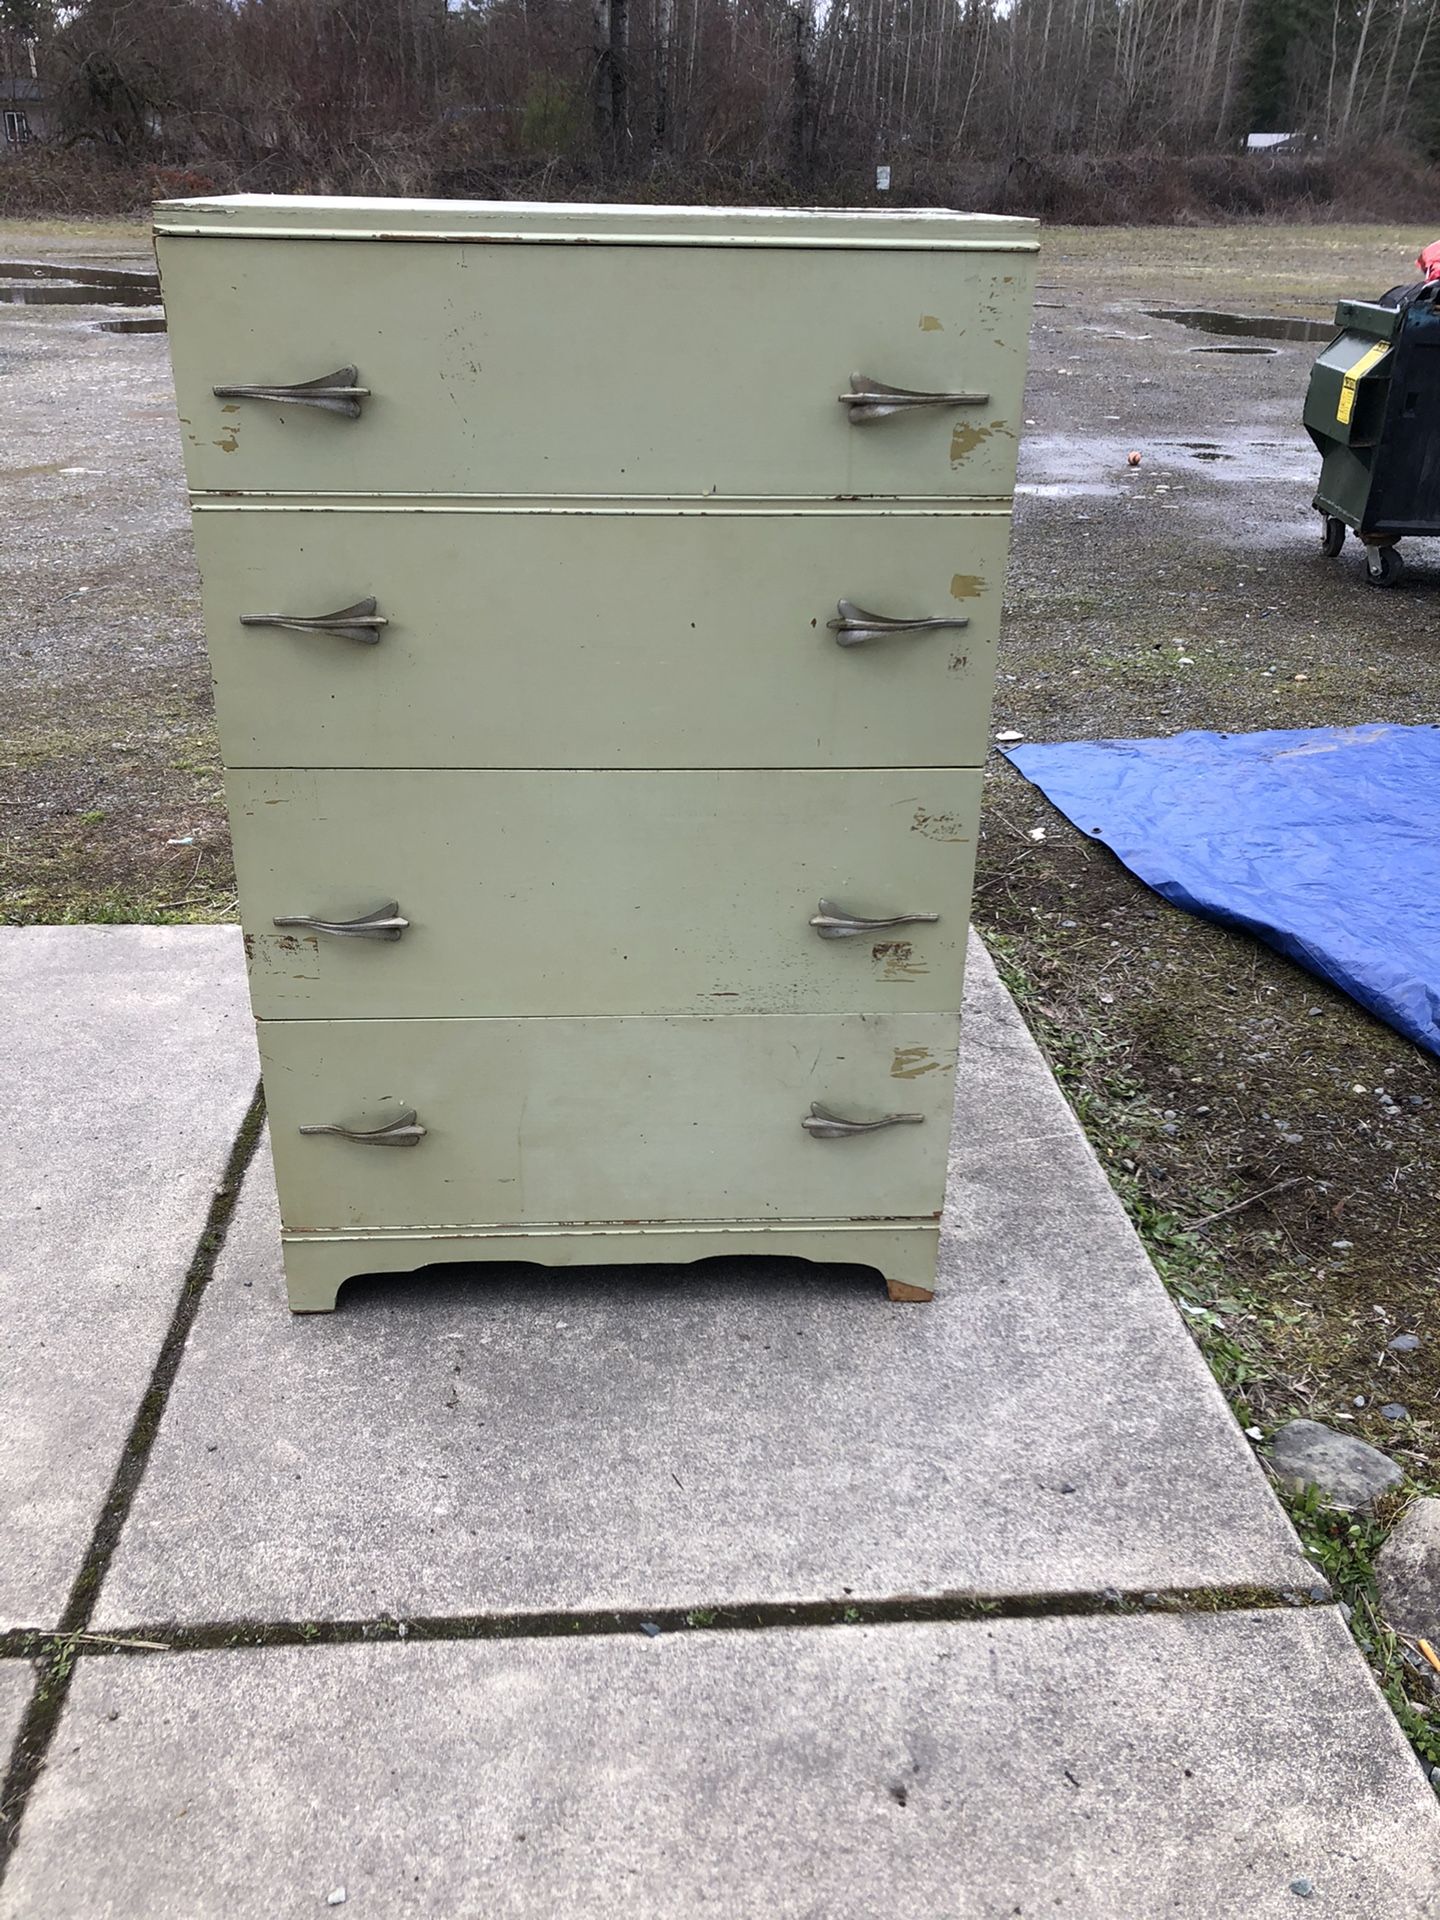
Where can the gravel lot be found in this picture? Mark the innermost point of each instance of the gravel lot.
(108, 748)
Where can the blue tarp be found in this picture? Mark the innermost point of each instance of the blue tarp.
(1324, 842)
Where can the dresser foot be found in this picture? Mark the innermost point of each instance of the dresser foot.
(311, 1295)
(906, 1290)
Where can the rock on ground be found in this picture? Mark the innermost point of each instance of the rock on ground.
(1407, 1572)
(1346, 1469)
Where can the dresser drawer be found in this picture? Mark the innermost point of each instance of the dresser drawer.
(558, 1121)
(602, 638)
(604, 893)
(544, 369)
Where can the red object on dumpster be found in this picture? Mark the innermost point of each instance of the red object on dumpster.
(1429, 261)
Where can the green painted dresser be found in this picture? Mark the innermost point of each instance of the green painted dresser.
(602, 604)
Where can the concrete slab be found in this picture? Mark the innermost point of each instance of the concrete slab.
(130, 1061)
(1106, 1769)
(17, 1678)
(532, 1440)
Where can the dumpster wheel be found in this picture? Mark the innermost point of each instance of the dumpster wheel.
(1383, 566)
(1332, 536)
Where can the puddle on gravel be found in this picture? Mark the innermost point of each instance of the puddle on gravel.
(40, 283)
(1062, 490)
(66, 293)
(1065, 468)
(122, 278)
(1245, 326)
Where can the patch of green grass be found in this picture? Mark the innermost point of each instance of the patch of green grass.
(1344, 1546)
(119, 230)
(58, 1654)
(115, 813)
(113, 908)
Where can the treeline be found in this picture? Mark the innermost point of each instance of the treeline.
(1059, 104)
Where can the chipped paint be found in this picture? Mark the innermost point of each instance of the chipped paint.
(959, 662)
(910, 1062)
(940, 826)
(294, 956)
(229, 444)
(966, 586)
(964, 438)
(929, 324)
(895, 961)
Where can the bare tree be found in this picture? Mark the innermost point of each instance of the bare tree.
(967, 99)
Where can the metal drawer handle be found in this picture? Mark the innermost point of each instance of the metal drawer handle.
(360, 622)
(404, 1132)
(384, 923)
(853, 626)
(834, 923)
(337, 392)
(870, 400)
(821, 1124)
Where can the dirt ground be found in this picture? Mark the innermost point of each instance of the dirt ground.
(1280, 1161)
(1214, 1077)
(110, 797)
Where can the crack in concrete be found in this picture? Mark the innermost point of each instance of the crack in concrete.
(56, 1651)
(744, 1617)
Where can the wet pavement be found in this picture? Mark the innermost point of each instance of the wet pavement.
(43, 283)
(1244, 325)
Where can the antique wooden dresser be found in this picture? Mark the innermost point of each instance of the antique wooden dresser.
(602, 604)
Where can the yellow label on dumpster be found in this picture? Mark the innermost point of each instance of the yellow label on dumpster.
(1371, 357)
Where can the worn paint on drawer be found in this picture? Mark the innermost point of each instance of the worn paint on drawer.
(569, 1121)
(352, 217)
(554, 638)
(604, 893)
(655, 371)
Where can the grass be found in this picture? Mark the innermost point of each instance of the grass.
(1228, 265)
(1344, 1545)
(123, 231)
(1235, 1326)
(117, 830)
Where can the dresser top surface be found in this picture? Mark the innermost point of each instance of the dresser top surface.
(298, 216)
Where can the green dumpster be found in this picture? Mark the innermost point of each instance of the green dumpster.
(1373, 410)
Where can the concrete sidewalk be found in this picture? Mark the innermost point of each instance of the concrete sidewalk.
(129, 1064)
(463, 1506)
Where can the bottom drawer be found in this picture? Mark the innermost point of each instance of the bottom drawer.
(553, 1122)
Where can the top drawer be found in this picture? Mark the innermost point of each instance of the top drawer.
(532, 368)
